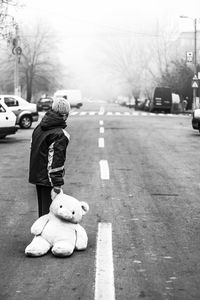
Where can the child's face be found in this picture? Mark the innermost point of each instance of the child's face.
(64, 116)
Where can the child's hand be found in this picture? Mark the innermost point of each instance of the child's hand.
(55, 191)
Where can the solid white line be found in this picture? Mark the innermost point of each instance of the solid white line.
(101, 129)
(104, 170)
(101, 142)
(101, 122)
(104, 280)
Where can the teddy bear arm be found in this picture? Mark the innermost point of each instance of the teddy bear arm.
(39, 225)
(81, 238)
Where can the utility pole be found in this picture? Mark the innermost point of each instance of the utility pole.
(195, 81)
(17, 51)
(195, 64)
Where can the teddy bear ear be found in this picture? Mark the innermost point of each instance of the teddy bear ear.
(85, 207)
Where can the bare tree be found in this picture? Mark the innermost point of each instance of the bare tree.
(40, 70)
(39, 66)
(137, 63)
(6, 19)
(124, 60)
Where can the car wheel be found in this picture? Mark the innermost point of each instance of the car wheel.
(25, 122)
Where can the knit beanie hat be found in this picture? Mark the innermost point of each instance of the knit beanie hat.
(61, 105)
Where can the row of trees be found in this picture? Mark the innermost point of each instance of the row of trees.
(138, 65)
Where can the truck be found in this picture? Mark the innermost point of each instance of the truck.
(73, 96)
(161, 100)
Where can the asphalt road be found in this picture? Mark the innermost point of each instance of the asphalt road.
(148, 207)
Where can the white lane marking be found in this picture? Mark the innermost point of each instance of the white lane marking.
(104, 170)
(109, 113)
(101, 111)
(101, 122)
(92, 113)
(73, 113)
(101, 129)
(83, 113)
(101, 142)
(104, 280)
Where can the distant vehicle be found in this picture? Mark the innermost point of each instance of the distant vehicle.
(196, 119)
(7, 121)
(146, 104)
(162, 100)
(73, 96)
(25, 112)
(131, 102)
(44, 103)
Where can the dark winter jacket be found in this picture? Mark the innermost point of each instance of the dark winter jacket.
(48, 151)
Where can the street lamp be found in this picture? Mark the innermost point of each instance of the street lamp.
(195, 79)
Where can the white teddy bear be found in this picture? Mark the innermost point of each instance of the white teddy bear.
(59, 229)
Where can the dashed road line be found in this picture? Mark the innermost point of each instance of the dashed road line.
(101, 142)
(104, 280)
(101, 122)
(83, 113)
(92, 113)
(101, 111)
(101, 129)
(128, 114)
(73, 113)
(104, 170)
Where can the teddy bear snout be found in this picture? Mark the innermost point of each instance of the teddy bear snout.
(65, 214)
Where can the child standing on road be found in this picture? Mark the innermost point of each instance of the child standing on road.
(48, 153)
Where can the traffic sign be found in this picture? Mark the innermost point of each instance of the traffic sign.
(189, 56)
(195, 85)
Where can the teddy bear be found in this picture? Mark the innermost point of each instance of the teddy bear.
(59, 230)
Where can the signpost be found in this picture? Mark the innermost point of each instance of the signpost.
(189, 57)
(195, 86)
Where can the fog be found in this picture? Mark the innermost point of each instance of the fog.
(85, 30)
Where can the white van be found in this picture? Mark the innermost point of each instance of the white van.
(73, 96)
(25, 112)
(7, 121)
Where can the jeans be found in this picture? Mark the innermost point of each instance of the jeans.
(44, 199)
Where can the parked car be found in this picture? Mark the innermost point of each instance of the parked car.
(73, 96)
(162, 100)
(44, 104)
(147, 104)
(25, 112)
(7, 121)
(196, 119)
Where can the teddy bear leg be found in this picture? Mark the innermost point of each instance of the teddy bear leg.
(38, 247)
(81, 238)
(62, 248)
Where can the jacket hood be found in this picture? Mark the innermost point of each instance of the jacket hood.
(52, 120)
